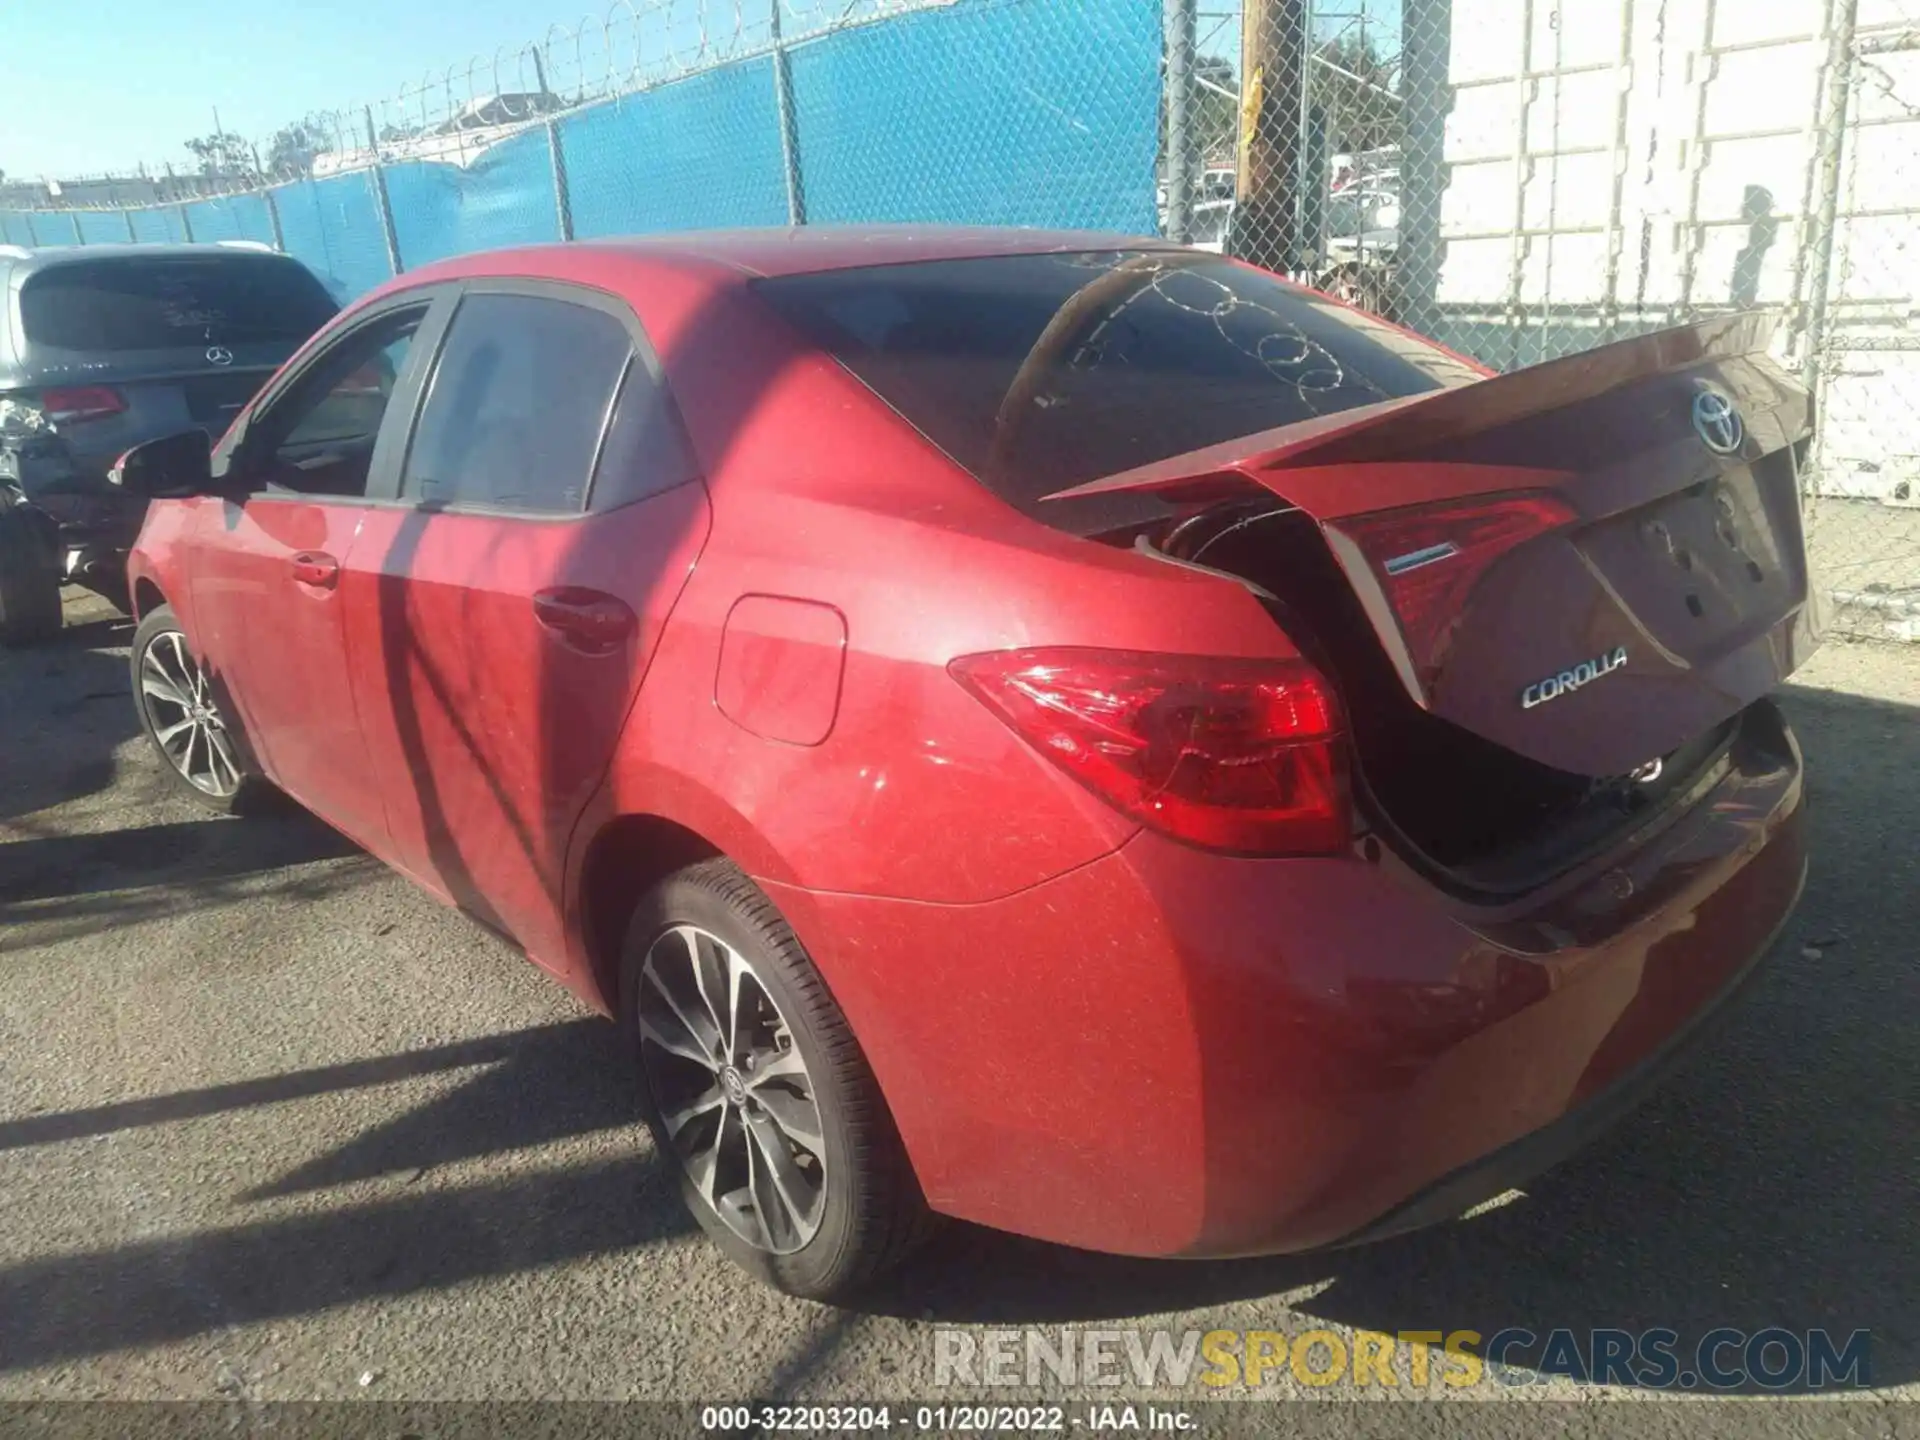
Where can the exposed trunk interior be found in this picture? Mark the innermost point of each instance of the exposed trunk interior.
(1488, 819)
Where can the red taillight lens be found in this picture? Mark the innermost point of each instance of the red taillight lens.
(1240, 755)
(1428, 559)
(81, 402)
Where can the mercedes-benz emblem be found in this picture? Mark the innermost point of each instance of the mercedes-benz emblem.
(1716, 422)
(220, 355)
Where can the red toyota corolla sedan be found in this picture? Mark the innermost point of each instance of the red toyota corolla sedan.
(1058, 730)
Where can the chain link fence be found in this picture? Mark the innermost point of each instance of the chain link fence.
(1520, 179)
(1523, 179)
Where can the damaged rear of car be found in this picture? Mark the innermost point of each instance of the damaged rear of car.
(1545, 598)
(1550, 597)
(101, 348)
(1512, 815)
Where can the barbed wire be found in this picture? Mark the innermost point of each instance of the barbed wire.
(453, 113)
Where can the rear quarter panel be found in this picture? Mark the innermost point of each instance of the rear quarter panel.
(822, 495)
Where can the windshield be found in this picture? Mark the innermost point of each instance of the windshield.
(131, 303)
(1038, 372)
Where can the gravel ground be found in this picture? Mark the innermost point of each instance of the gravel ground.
(273, 1124)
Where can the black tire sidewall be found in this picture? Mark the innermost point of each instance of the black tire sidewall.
(817, 1268)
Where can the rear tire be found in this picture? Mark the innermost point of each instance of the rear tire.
(850, 1207)
(187, 719)
(29, 579)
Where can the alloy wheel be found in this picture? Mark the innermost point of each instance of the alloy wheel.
(732, 1089)
(177, 695)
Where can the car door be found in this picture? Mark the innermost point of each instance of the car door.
(267, 569)
(548, 516)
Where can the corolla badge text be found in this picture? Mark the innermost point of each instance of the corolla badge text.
(1567, 681)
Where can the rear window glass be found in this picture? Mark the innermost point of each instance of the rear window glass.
(1038, 372)
(175, 303)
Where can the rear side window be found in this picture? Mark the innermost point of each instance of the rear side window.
(1039, 372)
(647, 451)
(516, 405)
(169, 303)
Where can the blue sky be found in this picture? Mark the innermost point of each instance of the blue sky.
(110, 83)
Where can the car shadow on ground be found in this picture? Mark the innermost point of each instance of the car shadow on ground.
(69, 703)
(200, 852)
(528, 1088)
(96, 632)
(1770, 1182)
(69, 707)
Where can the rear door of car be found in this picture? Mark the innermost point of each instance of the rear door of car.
(548, 515)
(124, 347)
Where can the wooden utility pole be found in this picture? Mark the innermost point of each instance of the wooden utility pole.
(1273, 169)
(1426, 61)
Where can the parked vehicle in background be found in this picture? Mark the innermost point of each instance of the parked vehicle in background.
(1363, 242)
(102, 347)
(1062, 731)
(1210, 208)
(1361, 237)
(1212, 222)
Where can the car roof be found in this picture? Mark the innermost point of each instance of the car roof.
(27, 260)
(787, 250)
(801, 249)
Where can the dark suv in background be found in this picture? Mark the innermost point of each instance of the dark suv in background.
(102, 347)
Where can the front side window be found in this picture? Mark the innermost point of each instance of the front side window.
(516, 405)
(318, 438)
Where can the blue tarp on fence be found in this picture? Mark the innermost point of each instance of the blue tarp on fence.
(993, 112)
(504, 197)
(102, 227)
(161, 225)
(701, 153)
(990, 113)
(334, 225)
(237, 217)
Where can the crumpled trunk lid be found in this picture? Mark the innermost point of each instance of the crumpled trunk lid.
(1590, 562)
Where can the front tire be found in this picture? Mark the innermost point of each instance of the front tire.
(186, 719)
(757, 1093)
(29, 579)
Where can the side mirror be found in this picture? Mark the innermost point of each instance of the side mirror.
(170, 468)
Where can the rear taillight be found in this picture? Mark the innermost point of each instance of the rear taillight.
(1428, 558)
(1240, 755)
(81, 402)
